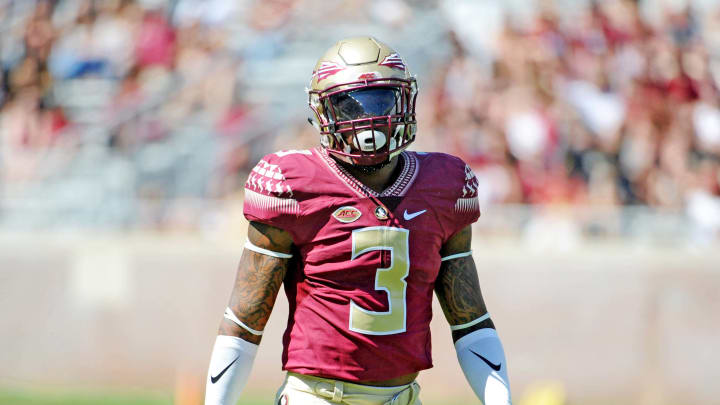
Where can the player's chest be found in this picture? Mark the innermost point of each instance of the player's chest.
(357, 229)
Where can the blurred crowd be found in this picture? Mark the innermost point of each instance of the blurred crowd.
(117, 73)
(600, 106)
(157, 89)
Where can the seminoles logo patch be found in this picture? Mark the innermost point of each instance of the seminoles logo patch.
(347, 214)
(327, 69)
(393, 61)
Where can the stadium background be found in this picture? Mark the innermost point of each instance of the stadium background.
(127, 129)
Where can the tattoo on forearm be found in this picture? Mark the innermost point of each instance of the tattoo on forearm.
(458, 291)
(458, 288)
(257, 284)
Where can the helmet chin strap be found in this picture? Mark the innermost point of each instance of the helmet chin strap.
(370, 169)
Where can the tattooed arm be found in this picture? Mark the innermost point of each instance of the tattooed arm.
(457, 286)
(478, 346)
(262, 269)
(258, 281)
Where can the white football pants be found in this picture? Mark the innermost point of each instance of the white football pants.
(300, 389)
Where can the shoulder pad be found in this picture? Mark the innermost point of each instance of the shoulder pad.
(454, 180)
(458, 180)
(269, 194)
(273, 174)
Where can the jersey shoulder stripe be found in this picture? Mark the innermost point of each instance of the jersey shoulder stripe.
(270, 203)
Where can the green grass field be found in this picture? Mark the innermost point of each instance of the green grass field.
(49, 397)
(98, 397)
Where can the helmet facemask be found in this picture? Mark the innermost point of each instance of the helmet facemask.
(367, 122)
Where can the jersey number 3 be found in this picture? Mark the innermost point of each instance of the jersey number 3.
(390, 279)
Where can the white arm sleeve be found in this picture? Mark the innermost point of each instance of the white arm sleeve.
(482, 359)
(230, 365)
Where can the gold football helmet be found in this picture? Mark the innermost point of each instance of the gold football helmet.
(363, 97)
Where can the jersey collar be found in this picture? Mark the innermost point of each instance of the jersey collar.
(397, 189)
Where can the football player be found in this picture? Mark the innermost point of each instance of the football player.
(360, 232)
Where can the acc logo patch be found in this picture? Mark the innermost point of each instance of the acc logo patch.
(347, 214)
(369, 75)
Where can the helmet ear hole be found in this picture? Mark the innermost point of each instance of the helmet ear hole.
(314, 123)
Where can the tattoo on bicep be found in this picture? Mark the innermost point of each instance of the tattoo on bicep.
(271, 237)
(458, 290)
(256, 287)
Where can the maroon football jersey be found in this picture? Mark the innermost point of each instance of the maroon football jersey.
(360, 291)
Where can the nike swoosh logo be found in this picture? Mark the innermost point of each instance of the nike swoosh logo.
(495, 367)
(217, 377)
(413, 215)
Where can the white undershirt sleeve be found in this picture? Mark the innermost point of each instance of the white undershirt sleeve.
(230, 364)
(482, 360)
